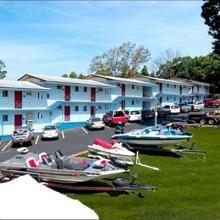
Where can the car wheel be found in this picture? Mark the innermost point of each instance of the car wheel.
(202, 121)
(211, 121)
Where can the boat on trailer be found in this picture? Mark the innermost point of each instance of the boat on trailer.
(59, 168)
(114, 151)
(153, 136)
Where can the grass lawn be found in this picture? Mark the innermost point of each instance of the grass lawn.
(187, 188)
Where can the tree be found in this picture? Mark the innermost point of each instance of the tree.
(211, 14)
(201, 68)
(123, 61)
(74, 75)
(81, 76)
(144, 71)
(163, 63)
(3, 72)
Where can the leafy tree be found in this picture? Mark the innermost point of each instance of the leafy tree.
(211, 14)
(74, 75)
(124, 61)
(201, 68)
(3, 72)
(81, 76)
(163, 63)
(144, 71)
(65, 75)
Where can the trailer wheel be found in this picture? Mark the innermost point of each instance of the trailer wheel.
(202, 121)
(211, 121)
(120, 182)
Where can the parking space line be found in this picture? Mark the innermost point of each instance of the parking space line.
(84, 130)
(63, 135)
(107, 127)
(37, 139)
(6, 145)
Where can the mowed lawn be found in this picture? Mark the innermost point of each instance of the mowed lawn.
(187, 188)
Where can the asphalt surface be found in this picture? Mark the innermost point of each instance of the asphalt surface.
(75, 140)
(70, 142)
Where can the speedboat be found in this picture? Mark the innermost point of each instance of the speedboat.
(58, 168)
(153, 136)
(113, 151)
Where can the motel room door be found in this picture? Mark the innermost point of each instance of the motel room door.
(92, 111)
(66, 113)
(93, 94)
(18, 120)
(67, 93)
(18, 99)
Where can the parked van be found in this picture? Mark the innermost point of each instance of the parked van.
(133, 115)
(173, 109)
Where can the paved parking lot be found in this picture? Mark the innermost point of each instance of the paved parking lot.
(75, 140)
(70, 142)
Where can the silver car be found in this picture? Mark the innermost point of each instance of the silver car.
(23, 135)
(95, 123)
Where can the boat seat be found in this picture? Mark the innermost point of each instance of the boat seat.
(102, 143)
(43, 157)
(32, 163)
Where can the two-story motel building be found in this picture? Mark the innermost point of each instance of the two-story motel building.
(40, 100)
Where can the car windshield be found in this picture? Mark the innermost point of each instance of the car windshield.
(20, 132)
(96, 119)
(118, 114)
(174, 106)
(135, 113)
(47, 128)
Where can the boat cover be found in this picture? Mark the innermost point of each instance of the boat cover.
(25, 198)
(102, 143)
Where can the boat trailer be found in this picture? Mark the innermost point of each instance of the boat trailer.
(119, 186)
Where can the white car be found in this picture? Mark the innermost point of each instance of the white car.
(133, 115)
(95, 123)
(197, 106)
(173, 109)
(50, 132)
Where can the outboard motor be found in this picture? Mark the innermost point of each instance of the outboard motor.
(59, 154)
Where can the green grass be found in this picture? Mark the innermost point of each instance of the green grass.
(187, 188)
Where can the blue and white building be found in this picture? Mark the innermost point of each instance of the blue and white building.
(22, 103)
(129, 94)
(39, 100)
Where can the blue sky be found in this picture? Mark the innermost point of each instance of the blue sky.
(59, 37)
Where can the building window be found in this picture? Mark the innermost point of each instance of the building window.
(4, 117)
(38, 95)
(76, 88)
(174, 86)
(132, 102)
(174, 98)
(4, 93)
(85, 108)
(167, 98)
(99, 107)
(168, 85)
(48, 95)
(132, 86)
(59, 87)
(85, 89)
(76, 108)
